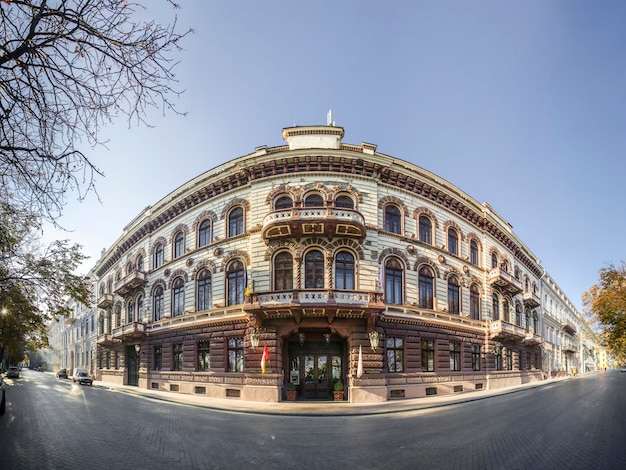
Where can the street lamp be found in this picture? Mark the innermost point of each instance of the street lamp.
(373, 339)
(254, 339)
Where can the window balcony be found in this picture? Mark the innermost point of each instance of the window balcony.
(130, 282)
(569, 347)
(502, 330)
(131, 330)
(532, 339)
(310, 221)
(328, 303)
(531, 299)
(105, 340)
(105, 301)
(505, 281)
(568, 327)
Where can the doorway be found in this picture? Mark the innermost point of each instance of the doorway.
(315, 367)
(132, 365)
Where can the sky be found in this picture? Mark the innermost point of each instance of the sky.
(520, 104)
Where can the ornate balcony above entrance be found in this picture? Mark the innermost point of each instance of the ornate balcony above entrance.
(312, 303)
(502, 330)
(328, 222)
(505, 280)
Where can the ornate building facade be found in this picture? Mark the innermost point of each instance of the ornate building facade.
(314, 263)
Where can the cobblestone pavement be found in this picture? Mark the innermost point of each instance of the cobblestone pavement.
(576, 423)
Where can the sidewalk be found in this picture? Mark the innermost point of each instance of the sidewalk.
(322, 408)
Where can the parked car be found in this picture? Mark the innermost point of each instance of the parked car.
(3, 400)
(13, 372)
(82, 377)
(62, 374)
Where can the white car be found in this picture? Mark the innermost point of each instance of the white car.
(82, 377)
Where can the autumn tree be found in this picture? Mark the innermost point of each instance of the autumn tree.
(67, 68)
(605, 302)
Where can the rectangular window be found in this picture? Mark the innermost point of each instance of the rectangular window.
(455, 355)
(475, 356)
(498, 358)
(428, 355)
(158, 358)
(177, 357)
(235, 355)
(395, 349)
(509, 359)
(204, 356)
(528, 360)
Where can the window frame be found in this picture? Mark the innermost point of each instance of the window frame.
(394, 281)
(427, 348)
(393, 219)
(425, 229)
(236, 221)
(395, 354)
(426, 286)
(345, 270)
(235, 354)
(205, 233)
(454, 295)
(455, 356)
(204, 290)
(453, 241)
(178, 296)
(203, 356)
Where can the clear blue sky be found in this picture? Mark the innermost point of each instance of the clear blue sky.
(519, 104)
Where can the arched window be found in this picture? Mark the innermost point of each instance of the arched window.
(140, 264)
(283, 202)
(139, 309)
(118, 316)
(235, 278)
(344, 270)
(474, 302)
(393, 219)
(314, 270)
(454, 297)
(179, 245)
(426, 288)
(204, 233)
(518, 315)
(109, 322)
(344, 202)
(129, 268)
(474, 253)
(158, 255)
(314, 200)
(157, 304)
(535, 324)
(130, 312)
(283, 271)
(178, 297)
(527, 322)
(495, 307)
(506, 311)
(425, 230)
(235, 222)
(101, 324)
(453, 242)
(505, 266)
(393, 281)
(494, 261)
(526, 285)
(203, 289)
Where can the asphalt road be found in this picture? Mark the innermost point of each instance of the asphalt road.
(54, 424)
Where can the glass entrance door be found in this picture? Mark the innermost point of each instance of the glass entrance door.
(316, 383)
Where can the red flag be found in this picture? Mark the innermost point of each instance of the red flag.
(264, 357)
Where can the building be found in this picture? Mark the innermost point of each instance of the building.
(343, 264)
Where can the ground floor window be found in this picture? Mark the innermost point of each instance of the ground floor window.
(204, 356)
(395, 348)
(177, 356)
(428, 355)
(475, 356)
(509, 359)
(455, 355)
(158, 358)
(235, 354)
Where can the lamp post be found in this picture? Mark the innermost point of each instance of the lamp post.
(374, 339)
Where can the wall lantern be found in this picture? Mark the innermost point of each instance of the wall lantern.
(373, 339)
(301, 338)
(137, 348)
(254, 339)
(327, 338)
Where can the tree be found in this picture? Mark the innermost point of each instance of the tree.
(66, 69)
(35, 282)
(605, 302)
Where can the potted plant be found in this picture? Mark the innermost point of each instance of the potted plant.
(291, 392)
(338, 391)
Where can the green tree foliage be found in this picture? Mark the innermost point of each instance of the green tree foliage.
(35, 282)
(605, 302)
